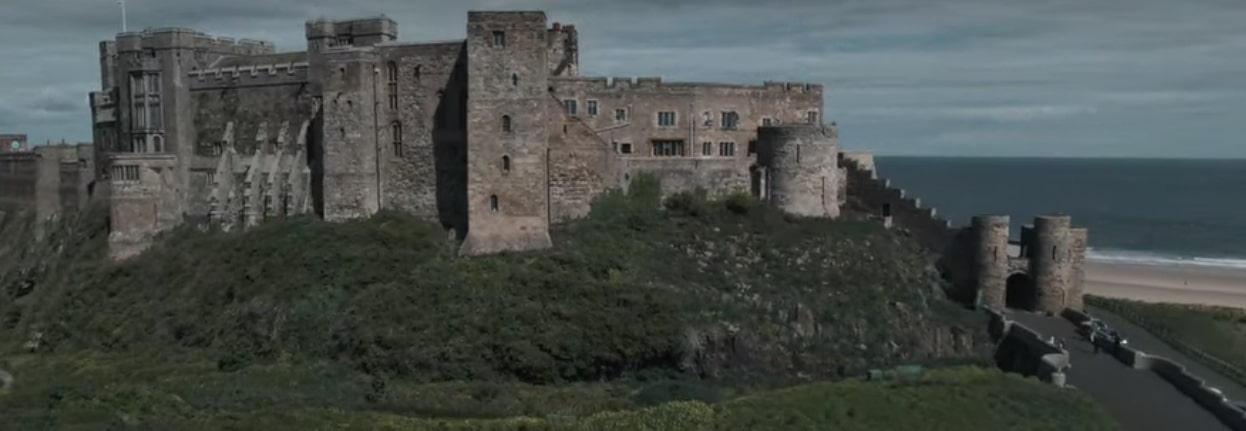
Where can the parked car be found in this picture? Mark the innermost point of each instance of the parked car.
(1089, 326)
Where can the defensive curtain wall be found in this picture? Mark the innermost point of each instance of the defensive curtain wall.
(1046, 275)
(46, 180)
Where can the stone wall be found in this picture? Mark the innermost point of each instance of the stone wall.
(698, 110)
(348, 132)
(423, 119)
(802, 174)
(18, 181)
(1022, 350)
(581, 166)
(892, 205)
(143, 201)
(46, 181)
(507, 132)
(247, 115)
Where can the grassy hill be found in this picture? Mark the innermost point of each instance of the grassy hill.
(379, 321)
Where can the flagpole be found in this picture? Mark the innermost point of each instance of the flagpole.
(123, 23)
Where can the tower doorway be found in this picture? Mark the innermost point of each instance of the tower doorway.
(1019, 292)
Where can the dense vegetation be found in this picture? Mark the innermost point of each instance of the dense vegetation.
(1213, 335)
(378, 322)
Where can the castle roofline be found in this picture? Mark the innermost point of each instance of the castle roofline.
(350, 20)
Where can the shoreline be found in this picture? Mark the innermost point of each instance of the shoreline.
(1170, 283)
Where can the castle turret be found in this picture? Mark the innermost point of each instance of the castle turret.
(802, 167)
(990, 256)
(1052, 261)
(323, 34)
(347, 132)
(507, 135)
(143, 201)
(1078, 238)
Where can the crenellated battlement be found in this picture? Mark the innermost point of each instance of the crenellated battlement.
(183, 38)
(277, 73)
(655, 82)
(521, 18)
(376, 28)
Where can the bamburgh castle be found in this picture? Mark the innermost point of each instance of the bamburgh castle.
(494, 136)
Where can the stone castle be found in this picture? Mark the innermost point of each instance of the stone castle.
(495, 136)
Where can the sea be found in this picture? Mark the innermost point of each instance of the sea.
(1140, 211)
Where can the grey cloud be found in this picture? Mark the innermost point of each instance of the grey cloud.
(1058, 77)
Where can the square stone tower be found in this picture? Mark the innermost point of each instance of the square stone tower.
(507, 132)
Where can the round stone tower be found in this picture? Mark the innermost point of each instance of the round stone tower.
(1052, 261)
(990, 253)
(802, 168)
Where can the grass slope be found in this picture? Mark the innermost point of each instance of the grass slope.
(107, 393)
(378, 322)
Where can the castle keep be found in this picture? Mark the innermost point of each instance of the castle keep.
(494, 136)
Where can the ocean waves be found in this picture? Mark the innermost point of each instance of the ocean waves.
(1160, 259)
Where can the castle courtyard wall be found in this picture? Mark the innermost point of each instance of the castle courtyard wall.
(250, 106)
(423, 129)
(642, 99)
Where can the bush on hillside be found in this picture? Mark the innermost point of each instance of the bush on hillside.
(700, 288)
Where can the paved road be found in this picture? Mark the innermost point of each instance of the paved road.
(1139, 399)
(1142, 340)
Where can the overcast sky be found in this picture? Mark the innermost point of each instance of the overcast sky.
(1082, 78)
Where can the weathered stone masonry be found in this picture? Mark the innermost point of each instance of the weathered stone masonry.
(1043, 272)
(495, 135)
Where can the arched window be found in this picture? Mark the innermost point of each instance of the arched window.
(391, 72)
(514, 79)
(396, 133)
(506, 163)
(493, 203)
(506, 124)
(157, 143)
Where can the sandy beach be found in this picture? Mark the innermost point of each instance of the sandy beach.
(1185, 284)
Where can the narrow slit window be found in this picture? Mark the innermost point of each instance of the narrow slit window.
(493, 203)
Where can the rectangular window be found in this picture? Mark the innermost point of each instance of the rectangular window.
(620, 116)
(570, 106)
(726, 149)
(393, 95)
(731, 120)
(499, 39)
(752, 147)
(707, 148)
(125, 172)
(592, 108)
(625, 148)
(668, 148)
(666, 119)
(765, 121)
(812, 117)
(145, 92)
